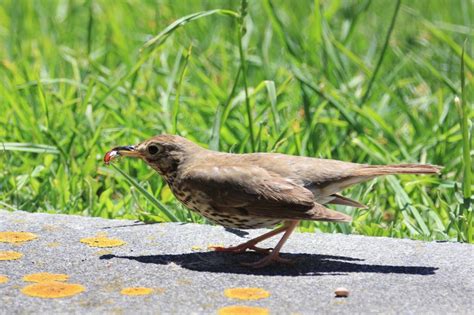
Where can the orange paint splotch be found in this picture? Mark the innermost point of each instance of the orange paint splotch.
(16, 237)
(45, 277)
(52, 289)
(246, 293)
(102, 241)
(134, 291)
(243, 310)
(10, 255)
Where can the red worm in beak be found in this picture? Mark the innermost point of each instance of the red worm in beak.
(109, 156)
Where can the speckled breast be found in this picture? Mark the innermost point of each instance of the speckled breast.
(201, 203)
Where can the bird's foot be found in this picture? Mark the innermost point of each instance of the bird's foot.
(241, 248)
(270, 259)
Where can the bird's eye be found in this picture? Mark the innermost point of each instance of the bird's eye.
(153, 149)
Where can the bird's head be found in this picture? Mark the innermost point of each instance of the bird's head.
(164, 153)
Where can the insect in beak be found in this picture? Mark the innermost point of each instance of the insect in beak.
(121, 151)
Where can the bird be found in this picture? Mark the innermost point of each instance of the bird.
(257, 190)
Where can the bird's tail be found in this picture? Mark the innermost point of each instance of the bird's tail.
(378, 170)
(366, 172)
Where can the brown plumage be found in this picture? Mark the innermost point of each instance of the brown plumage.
(259, 189)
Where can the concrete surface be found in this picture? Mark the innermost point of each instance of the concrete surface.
(383, 275)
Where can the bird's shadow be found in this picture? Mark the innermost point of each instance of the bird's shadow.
(304, 264)
(239, 233)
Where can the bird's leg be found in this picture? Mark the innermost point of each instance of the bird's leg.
(274, 256)
(251, 244)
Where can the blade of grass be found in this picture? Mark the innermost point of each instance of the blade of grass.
(90, 25)
(163, 35)
(465, 137)
(28, 147)
(465, 213)
(215, 132)
(43, 103)
(436, 73)
(243, 66)
(270, 85)
(144, 57)
(342, 109)
(353, 57)
(169, 215)
(364, 6)
(405, 201)
(178, 90)
(222, 114)
(316, 24)
(338, 71)
(158, 41)
(440, 35)
(166, 94)
(382, 54)
(279, 28)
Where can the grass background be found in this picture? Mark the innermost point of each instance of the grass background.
(362, 81)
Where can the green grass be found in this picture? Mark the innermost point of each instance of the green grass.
(362, 81)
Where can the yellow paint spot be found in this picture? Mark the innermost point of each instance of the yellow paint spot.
(3, 279)
(53, 244)
(45, 277)
(136, 291)
(52, 289)
(243, 310)
(10, 255)
(102, 241)
(16, 237)
(246, 293)
(196, 248)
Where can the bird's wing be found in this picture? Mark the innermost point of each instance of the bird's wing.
(252, 190)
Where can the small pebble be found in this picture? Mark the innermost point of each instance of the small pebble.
(341, 292)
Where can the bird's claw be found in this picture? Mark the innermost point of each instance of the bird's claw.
(242, 248)
(261, 250)
(268, 260)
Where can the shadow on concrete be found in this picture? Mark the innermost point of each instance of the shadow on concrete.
(304, 264)
(239, 233)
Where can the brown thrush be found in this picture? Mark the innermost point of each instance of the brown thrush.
(257, 190)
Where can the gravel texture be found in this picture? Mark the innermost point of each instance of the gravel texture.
(383, 275)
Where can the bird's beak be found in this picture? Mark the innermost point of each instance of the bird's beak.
(116, 152)
(128, 150)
